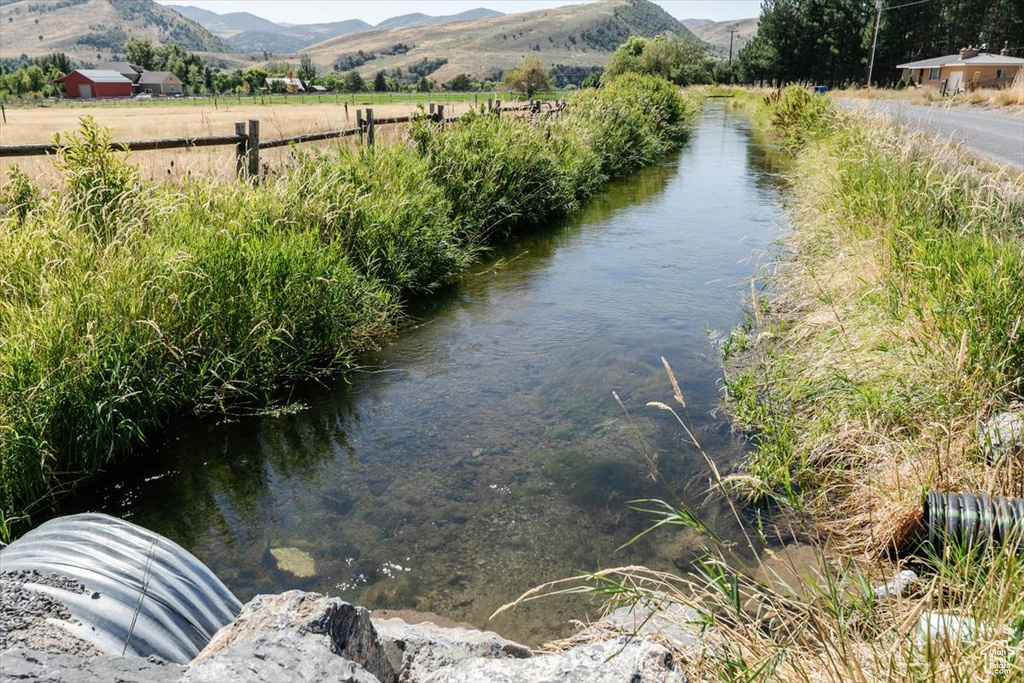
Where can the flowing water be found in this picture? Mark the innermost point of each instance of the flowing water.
(482, 451)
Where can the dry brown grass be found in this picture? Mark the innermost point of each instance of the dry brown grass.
(1007, 100)
(38, 126)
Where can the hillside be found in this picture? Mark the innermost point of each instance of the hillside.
(248, 33)
(578, 37)
(91, 31)
(716, 34)
(291, 39)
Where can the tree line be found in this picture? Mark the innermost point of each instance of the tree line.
(829, 41)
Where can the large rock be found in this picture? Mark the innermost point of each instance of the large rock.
(285, 656)
(47, 667)
(1002, 436)
(677, 627)
(342, 628)
(418, 650)
(620, 660)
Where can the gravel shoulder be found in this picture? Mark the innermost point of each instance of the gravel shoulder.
(989, 134)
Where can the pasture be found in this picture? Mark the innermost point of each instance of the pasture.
(282, 118)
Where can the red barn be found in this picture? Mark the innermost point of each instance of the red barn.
(89, 83)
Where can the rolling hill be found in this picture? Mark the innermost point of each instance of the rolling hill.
(716, 34)
(576, 37)
(91, 31)
(248, 33)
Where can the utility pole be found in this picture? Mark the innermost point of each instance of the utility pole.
(731, 32)
(874, 41)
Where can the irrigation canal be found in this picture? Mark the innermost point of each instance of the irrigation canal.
(481, 451)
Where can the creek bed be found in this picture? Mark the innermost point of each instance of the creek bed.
(481, 451)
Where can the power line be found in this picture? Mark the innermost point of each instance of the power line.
(919, 2)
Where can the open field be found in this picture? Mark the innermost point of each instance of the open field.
(129, 123)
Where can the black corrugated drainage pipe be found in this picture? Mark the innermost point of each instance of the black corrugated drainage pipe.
(146, 595)
(968, 520)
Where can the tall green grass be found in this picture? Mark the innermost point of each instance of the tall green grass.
(123, 302)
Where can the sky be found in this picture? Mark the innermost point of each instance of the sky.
(376, 11)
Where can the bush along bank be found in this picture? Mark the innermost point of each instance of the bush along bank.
(123, 302)
(889, 364)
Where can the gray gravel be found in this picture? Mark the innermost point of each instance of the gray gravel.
(24, 614)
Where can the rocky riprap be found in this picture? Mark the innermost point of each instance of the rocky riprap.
(297, 636)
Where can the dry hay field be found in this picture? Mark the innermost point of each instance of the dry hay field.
(151, 122)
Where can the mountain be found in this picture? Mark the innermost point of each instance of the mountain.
(224, 25)
(91, 31)
(576, 39)
(289, 40)
(248, 33)
(407, 20)
(716, 34)
(693, 24)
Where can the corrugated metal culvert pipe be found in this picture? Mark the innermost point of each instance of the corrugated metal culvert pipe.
(969, 521)
(146, 595)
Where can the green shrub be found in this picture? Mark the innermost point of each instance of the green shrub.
(498, 174)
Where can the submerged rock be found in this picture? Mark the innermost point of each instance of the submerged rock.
(294, 561)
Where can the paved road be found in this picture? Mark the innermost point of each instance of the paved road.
(992, 136)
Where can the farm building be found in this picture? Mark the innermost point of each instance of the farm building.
(285, 84)
(966, 70)
(159, 83)
(95, 83)
(129, 71)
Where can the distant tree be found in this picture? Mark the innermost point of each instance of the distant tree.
(354, 82)
(254, 78)
(593, 80)
(424, 85)
(529, 79)
(679, 60)
(140, 51)
(757, 61)
(307, 69)
(822, 41)
(380, 82)
(460, 83)
(55, 61)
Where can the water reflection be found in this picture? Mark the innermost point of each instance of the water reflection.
(482, 452)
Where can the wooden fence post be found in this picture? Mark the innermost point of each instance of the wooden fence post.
(440, 114)
(254, 148)
(240, 150)
(430, 110)
(369, 128)
(359, 125)
(490, 104)
(497, 108)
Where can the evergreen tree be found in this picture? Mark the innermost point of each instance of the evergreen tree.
(354, 82)
(307, 69)
(380, 82)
